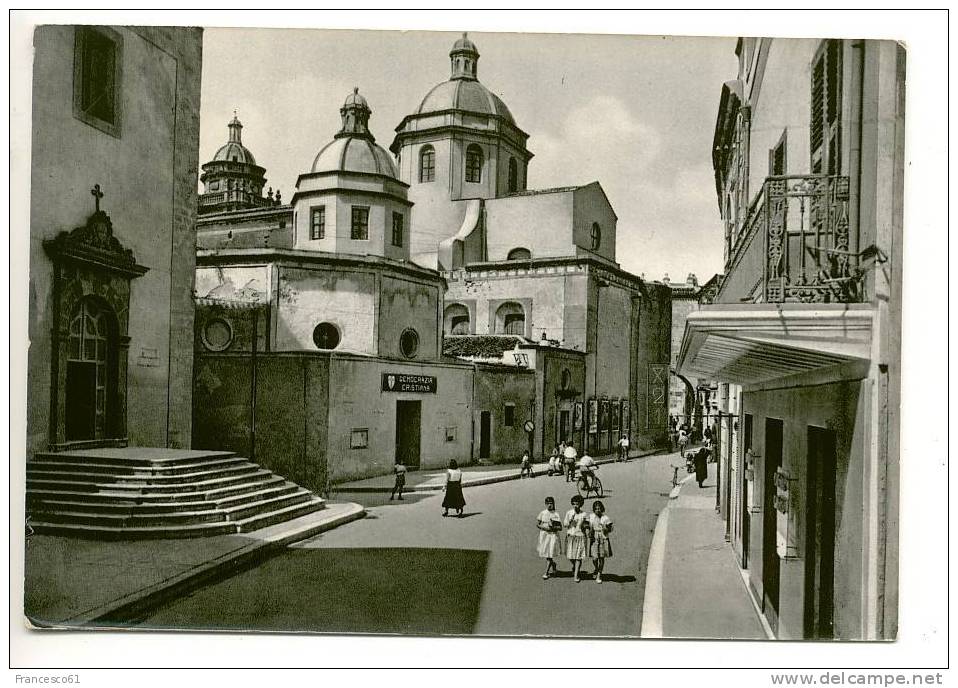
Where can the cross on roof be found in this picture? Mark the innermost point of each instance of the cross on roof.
(97, 195)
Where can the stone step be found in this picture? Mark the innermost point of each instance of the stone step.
(92, 518)
(134, 456)
(108, 497)
(39, 505)
(141, 477)
(136, 469)
(134, 489)
(244, 511)
(280, 515)
(220, 493)
(282, 488)
(139, 533)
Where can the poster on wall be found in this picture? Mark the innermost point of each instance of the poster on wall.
(593, 416)
(626, 427)
(577, 416)
(615, 412)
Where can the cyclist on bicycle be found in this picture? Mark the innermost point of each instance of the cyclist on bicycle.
(587, 468)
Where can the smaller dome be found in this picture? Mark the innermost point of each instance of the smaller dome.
(464, 45)
(235, 152)
(354, 154)
(355, 99)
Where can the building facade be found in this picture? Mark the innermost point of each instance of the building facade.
(804, 331)
(112, 249)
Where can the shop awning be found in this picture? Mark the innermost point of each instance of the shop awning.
(755, 343)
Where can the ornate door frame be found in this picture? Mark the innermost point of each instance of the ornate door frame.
(89, 263)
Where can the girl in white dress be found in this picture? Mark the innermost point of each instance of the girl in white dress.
(550, 546)
(576, 535)
(600, 548)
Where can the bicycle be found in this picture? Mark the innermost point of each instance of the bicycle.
(586, 486)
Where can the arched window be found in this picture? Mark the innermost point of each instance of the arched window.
(510, 319)
(596, 236)
(91, 371)
(456, 319)
(519, 254)
(474, 164)
(513, 175)
(427, 164)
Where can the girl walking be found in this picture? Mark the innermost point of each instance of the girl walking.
(550, 546)
(600, 548)
(576, 535)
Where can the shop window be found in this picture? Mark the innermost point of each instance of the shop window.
(326, 336)
(519, 254)
(451, 434)
(397, 229)
(427, 164)
(317, 223)
(409, 343)
(97, 72)
(596, 236)
(474, 164)
(360, 224)
(509, 417)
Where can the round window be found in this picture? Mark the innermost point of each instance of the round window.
(217, 334)
(409, 343)
(566, 378)
(326, 336)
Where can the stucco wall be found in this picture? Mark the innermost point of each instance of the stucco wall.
(840, 407)
(148, 177)
(494, 389)
(273, 230)
(406, 304)
(591, 205)
(541, 223)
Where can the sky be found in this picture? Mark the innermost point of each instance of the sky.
(635, 113)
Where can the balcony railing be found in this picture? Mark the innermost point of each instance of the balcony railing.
(797, 234)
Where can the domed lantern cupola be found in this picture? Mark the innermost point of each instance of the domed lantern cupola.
(464, 59)
(232, 180)
(236, 130)
(355, 113)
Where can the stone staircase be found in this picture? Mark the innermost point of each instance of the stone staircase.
(136, 492)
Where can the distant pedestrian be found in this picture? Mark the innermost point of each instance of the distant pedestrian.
(683, 441)
(550, 527)
(600, 546)
(555, 463)
(624, 448)
(701, 461)
(576, 535)
(453, 490)
(569, 457)
(526, 465)
(400, 483)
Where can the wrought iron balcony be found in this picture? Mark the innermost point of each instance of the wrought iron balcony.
(796, 232)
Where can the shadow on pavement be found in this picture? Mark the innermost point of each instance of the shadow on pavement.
(369, 590)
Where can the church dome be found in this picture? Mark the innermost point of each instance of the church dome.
(466, 95)
(234, 150)
(463, 91)
(354, 155)
(354, 149)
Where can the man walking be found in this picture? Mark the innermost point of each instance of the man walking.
(400, 471)
(624, 448)
(569, 457)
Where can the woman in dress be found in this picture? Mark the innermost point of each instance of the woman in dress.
(453, 490)
(701, 463)
(576, 535)
(600, 548)
(550, 546)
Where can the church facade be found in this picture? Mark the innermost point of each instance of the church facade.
(379, 256)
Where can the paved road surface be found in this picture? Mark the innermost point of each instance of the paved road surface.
(405, 569)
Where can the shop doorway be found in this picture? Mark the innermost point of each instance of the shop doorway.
(745, 515)
(770, 560)
(408, 432)
(485, 433)
(564, 426)
(820, 535)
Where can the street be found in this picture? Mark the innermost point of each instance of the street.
(406, 569)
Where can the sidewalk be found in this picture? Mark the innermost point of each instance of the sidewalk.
(434, 479)
(75, 582)
(694, 588)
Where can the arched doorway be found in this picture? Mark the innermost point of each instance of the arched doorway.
(91, 371)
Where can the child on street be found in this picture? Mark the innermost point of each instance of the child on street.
(400, 471)
(600, 547)
(526, 469)
(550, 546)
(576, 535)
